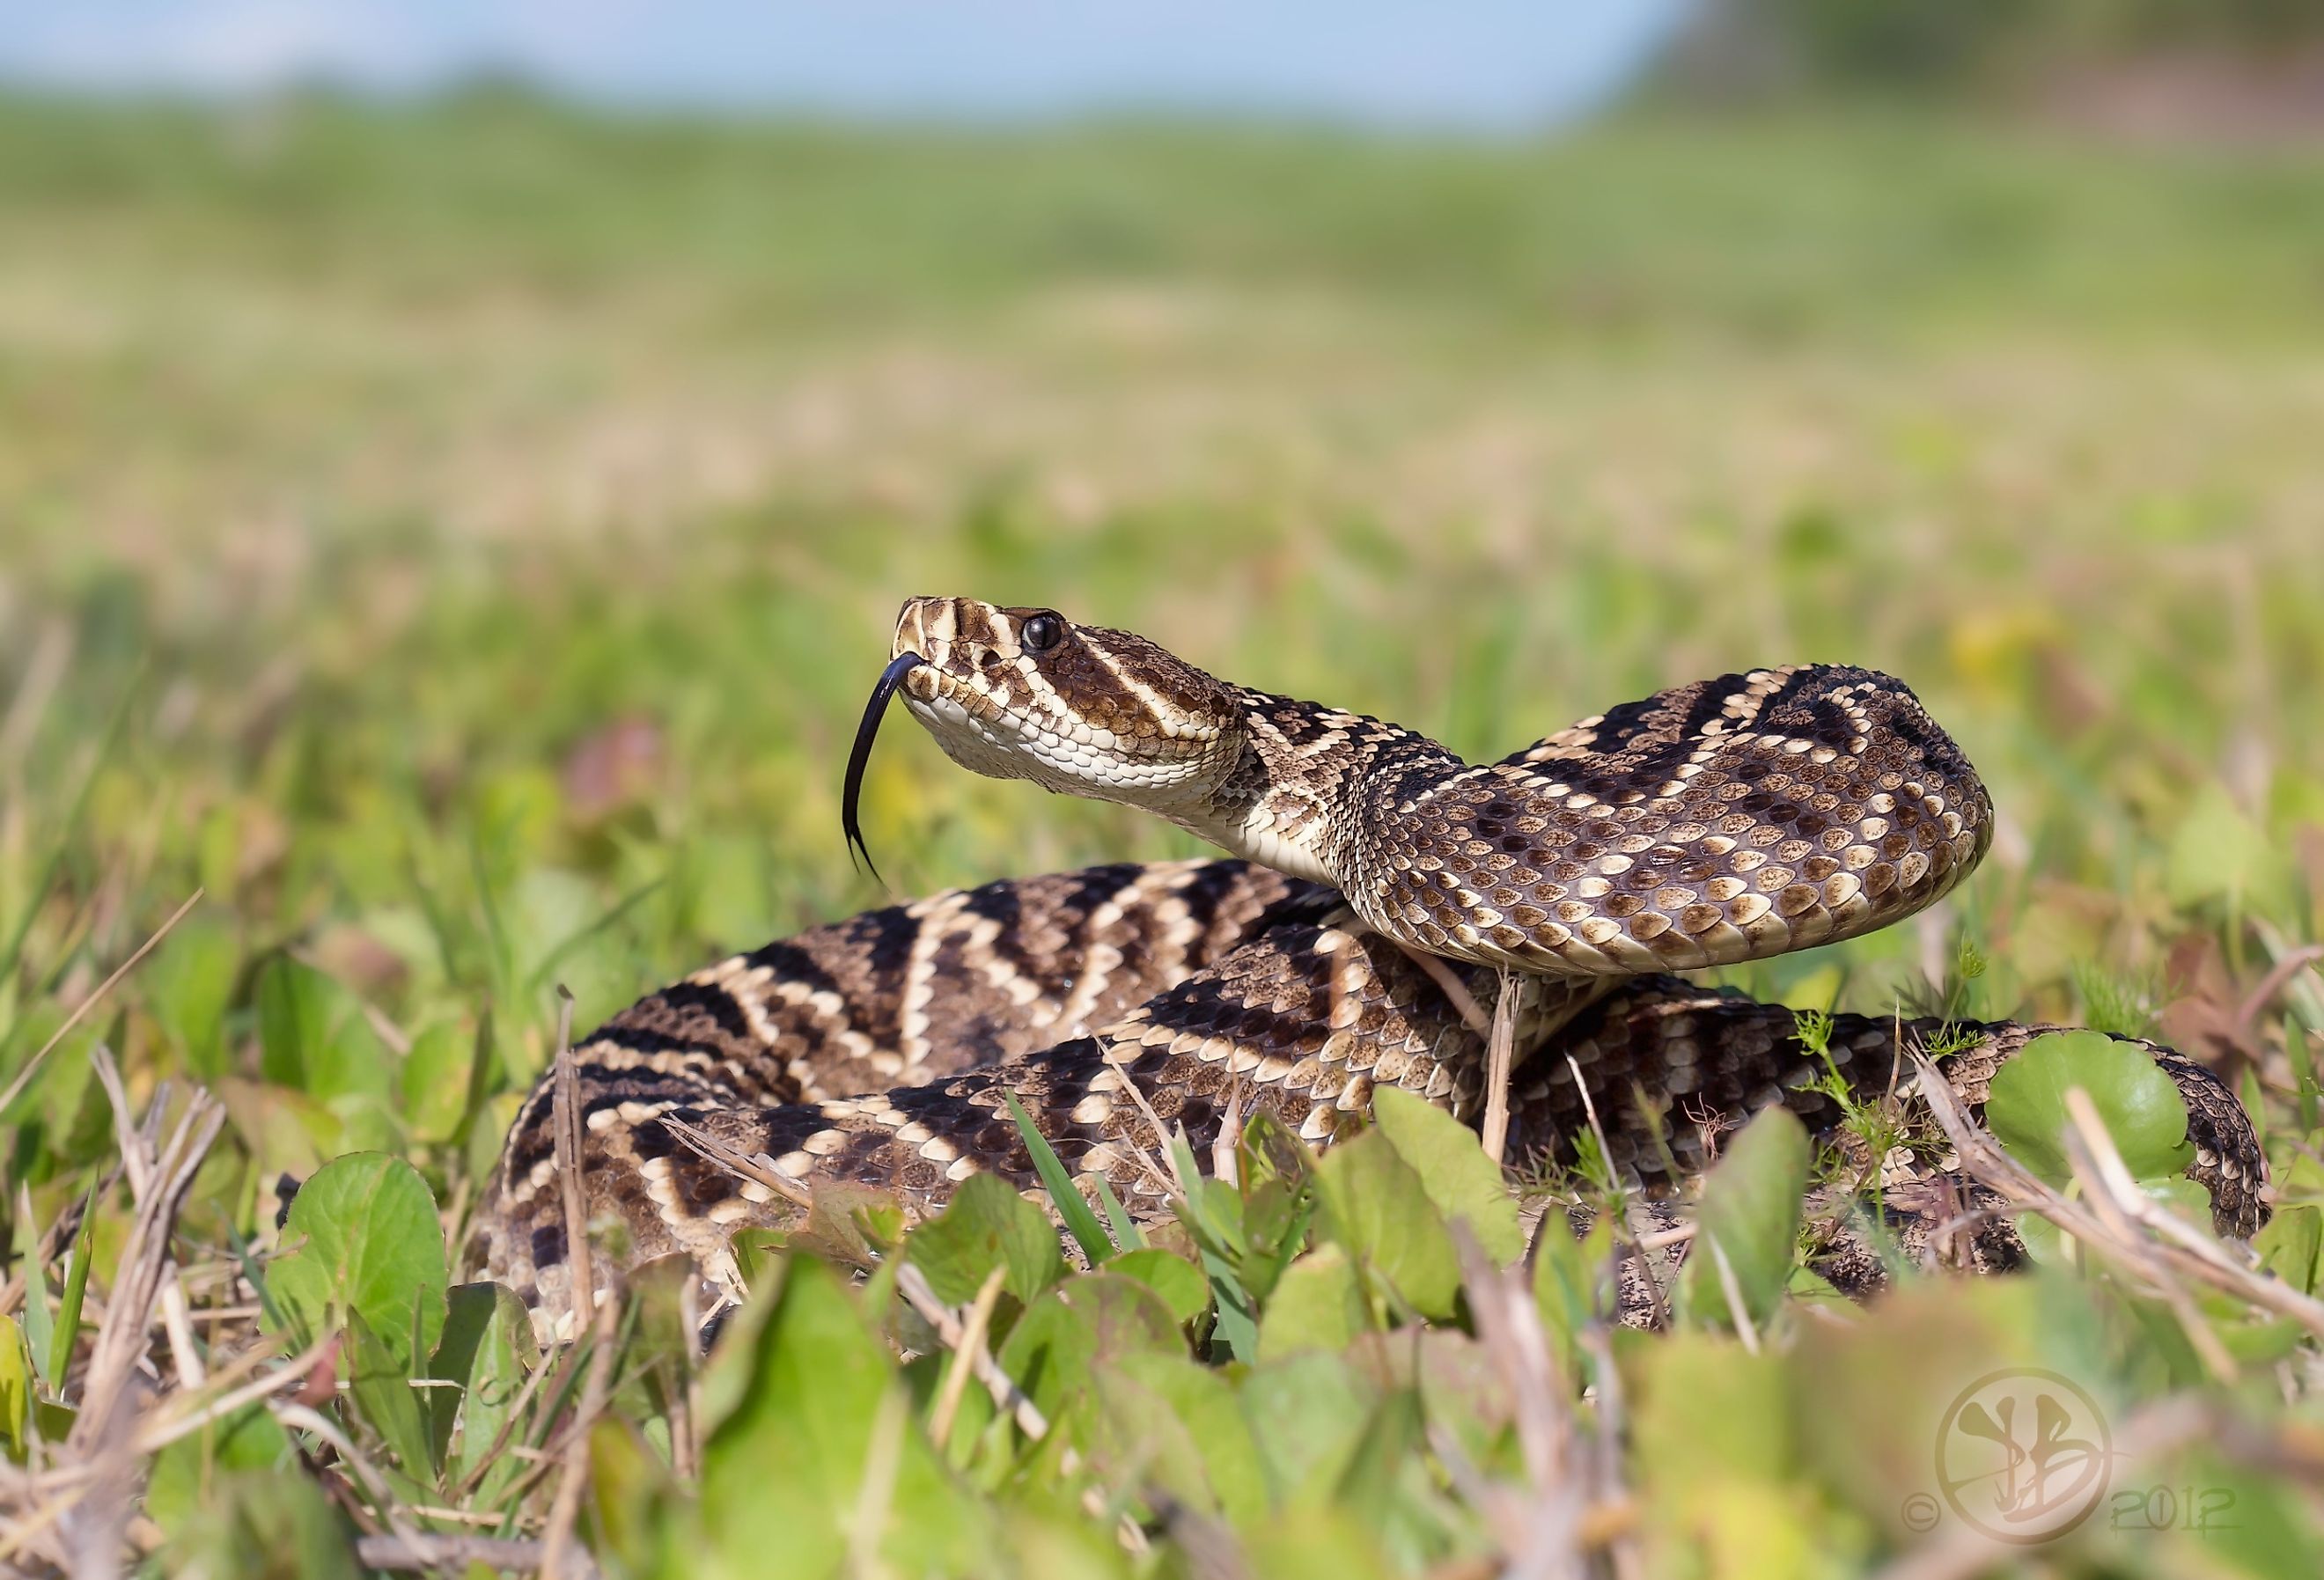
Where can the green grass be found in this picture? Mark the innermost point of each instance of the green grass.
(458, 540)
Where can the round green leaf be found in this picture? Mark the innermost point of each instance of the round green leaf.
(1318, 1305)
(370, 1245)
(987, 1226)
(2140, 1106)
(1454, 1170)
(1179, 1282)
(1750, 1213)
(1375, 1206)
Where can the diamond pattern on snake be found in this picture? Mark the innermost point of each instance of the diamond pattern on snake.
(1372, 881)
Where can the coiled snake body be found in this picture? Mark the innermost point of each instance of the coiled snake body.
(1712, 823)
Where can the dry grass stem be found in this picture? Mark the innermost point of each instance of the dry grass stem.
(503, 1441)
(1161, 1136)
(121, 1337)
(1448, 982)
(913, 1285)
(968, 1355)
(711, 1149)
(1661, 1239)
(875, 1494)
(1500, 1047)
(2167, 1244)
(566, 1121)
(1730, 1288)
(43, 673)
(2248, 1012)
(1590, 1108)
(2106, 1185)
(132, 1136)
(557, 1550)
(177, 1324)
(304, 1418)
(32, 1531)
(1575, 1504)
(192, 1413)
(1224, 1146)
(425, 1550)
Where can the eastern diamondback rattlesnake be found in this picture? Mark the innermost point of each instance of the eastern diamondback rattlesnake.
(1723, 821)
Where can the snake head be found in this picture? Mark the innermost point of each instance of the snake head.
(1027, 694)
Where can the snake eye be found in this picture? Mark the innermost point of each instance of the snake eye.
(1041, 632)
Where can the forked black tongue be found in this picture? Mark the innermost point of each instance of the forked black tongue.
(851, 791)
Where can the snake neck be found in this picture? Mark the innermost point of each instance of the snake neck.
(1309, 783)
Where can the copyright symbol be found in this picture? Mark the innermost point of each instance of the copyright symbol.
(1920, 1512)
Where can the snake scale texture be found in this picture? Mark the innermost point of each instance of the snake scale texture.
(1376, 880)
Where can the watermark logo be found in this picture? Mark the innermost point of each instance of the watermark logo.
(2023, 1455)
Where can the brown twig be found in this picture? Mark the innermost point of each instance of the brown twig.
(1448, 983)
(423, 1550)
(121, 1337)
(2248, 1014)
(565, 1124)
(1500, 1047)
(967, 1356)
(1731, 1288)
(1161, 1137)
(711, 1149)
(1574, 1503)
(557, 1543)
(913, 1285)
(2167, 1243)
(1225, 1145)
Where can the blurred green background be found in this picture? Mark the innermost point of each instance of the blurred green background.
(454, 533)
(458, 534)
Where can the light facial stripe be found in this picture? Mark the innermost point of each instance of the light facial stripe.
(1156, 708)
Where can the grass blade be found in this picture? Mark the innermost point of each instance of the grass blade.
(1126, 1232)
(482, 1058)
(68, 1327)
(254, 1276)
(37, 1321)
(1237, 1324)
(13, 950)
(1073, 1206)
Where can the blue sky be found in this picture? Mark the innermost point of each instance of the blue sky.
(1481, 64)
